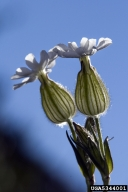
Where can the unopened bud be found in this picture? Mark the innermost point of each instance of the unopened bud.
(91, 95)
(57, 102)
(90, 144)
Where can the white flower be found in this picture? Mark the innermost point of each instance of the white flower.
(47, 61)
(87, 47)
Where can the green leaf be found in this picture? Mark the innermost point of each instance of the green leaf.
(108, 156)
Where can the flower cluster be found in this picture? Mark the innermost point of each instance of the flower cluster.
(91, 99)
(47, 60)
(91, 96)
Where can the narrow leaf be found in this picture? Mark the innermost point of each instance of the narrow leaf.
(108, 155)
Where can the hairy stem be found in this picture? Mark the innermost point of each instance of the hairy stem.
(69, 121)
(100, 136)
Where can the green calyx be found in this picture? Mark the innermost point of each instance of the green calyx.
(91, 95)
(57, 102)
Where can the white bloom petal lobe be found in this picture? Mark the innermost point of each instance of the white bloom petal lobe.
(92, 44)
(23, 71)
(103, 42)
(43, 59)
(84, 42)
(72, 45)
(31, 61)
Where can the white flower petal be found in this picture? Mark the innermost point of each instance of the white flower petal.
(29, 79)
(92, 43)
(93, 51)
(80, 51)
(31, 61)
(62, 47)
(43, 59)
(65, 52)
(16, 86)
(84, 43)
(23, 71)
(103, 42)
(25, 81)
(16, 77)
(51, 64)
(70, 54)
(72, 45)
(52, 55)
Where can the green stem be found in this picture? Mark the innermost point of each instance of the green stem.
(106, 179)
(69, 121)
(90, 182)
(88, 186)
(100, 136)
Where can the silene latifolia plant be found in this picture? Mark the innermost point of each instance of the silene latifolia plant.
(91, 99)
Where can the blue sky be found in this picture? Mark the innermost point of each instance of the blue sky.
(31, 26)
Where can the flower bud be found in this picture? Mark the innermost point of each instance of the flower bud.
(86, 165)
(57, 103)
(91, 95)
(90, 144)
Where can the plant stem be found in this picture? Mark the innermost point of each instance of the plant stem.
(106, 179)
(88, 186)
(69, 121)
(100, 136)
(90, 182)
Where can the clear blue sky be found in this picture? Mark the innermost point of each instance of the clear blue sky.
(31, 26)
